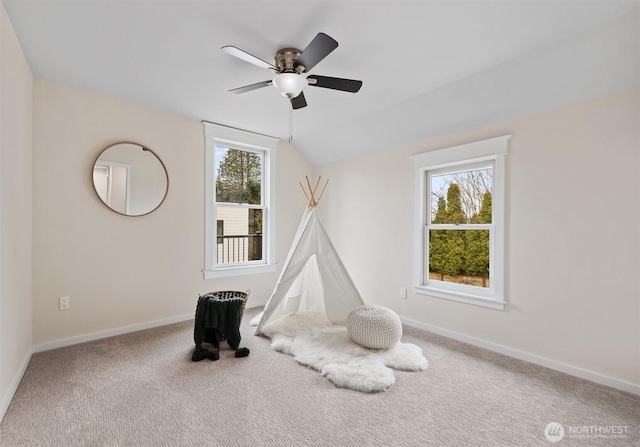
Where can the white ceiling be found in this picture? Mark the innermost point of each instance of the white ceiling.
(427, 66)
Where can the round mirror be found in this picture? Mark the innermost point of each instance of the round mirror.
(130, 179)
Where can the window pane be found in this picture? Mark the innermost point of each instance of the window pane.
(461, 197)
(459, 256)
(240, 239)
(238, 176)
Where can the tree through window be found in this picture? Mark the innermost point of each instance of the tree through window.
(461, 199)
(239, 176)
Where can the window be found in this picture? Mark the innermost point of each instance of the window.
(239, 216)
(460, 223)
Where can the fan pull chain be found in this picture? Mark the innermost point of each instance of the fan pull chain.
(290, 122)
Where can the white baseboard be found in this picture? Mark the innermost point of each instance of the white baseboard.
(109, 333)
(8, 397)
(255, 306)
(547, 363)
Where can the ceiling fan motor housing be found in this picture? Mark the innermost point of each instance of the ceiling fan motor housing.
(286, 58)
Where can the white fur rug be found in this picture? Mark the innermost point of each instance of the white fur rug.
(315, 342)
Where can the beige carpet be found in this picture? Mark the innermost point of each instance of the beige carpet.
(142, 389)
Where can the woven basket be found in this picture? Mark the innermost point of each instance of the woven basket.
(228, 294)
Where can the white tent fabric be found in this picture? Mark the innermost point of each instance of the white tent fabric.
(313, 278)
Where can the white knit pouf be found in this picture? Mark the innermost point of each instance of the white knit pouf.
(374, 327)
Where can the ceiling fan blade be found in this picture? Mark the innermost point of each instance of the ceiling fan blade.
(345, 85)
(241, 54)
(298, 102)
(248, 88)
(318, 49)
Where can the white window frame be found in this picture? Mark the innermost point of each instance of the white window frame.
(467, 156)
(228, 137)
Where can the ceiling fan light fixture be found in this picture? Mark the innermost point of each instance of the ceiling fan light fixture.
(289, 84)
(292, 68)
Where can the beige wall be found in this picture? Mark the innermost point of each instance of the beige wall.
(572, 238)
(15, 211)
(125, 271)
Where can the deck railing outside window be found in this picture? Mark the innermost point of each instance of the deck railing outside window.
(239, 248)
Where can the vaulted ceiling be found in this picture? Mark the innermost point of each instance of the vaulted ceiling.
(428, 67)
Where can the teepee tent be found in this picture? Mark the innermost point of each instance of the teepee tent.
(313, 278)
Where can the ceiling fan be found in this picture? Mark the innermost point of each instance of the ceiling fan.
(291, 66)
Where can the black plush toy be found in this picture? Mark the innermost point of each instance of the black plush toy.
(217, 320)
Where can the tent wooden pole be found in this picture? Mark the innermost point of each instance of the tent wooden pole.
(305, 193)
(322, 192)
(315, 188)
(313, 200)
(310, 194)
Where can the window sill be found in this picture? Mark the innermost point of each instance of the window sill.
(460, 297)
(239, 271)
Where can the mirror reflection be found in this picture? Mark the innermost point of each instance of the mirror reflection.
(130, 179)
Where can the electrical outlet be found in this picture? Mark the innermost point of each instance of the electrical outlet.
(64, 302)
(403, 293)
